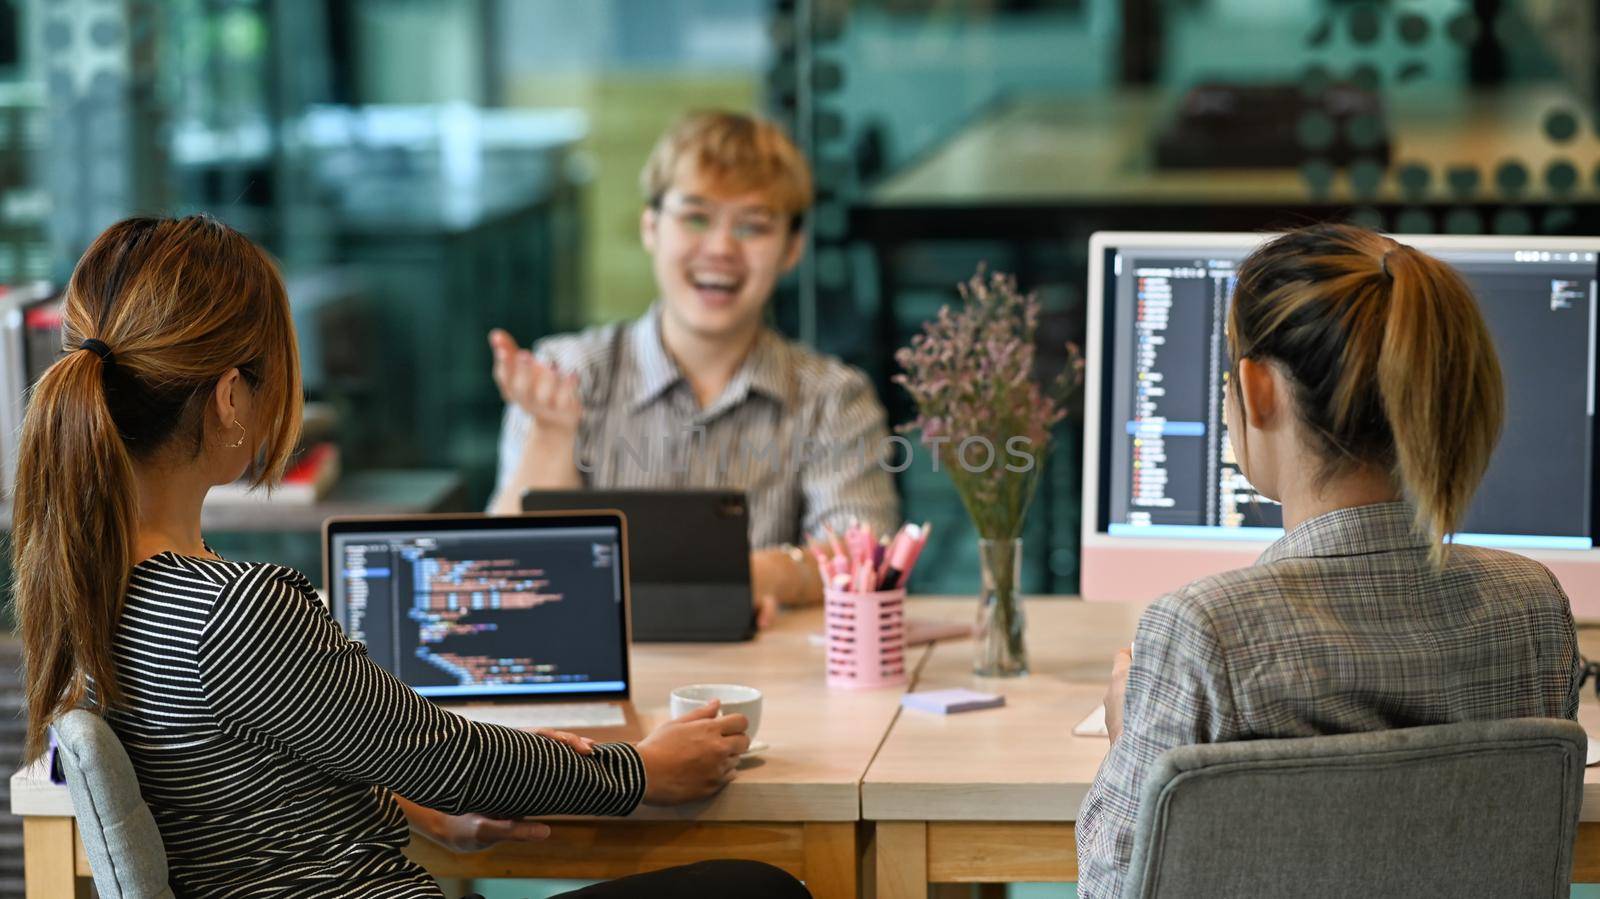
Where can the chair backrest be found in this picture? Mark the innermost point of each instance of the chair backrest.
(1474, 809)
(119, 834)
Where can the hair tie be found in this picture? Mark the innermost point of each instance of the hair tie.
(99, 349)
(1383, 263)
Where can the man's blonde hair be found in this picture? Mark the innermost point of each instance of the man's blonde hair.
(736, 153)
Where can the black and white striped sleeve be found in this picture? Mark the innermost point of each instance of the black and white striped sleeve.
(277, 671)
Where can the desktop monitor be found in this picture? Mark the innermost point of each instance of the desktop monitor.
(1164, 499)
(30, 342)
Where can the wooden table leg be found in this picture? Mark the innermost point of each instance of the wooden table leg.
(47, 857)
(902, 859)
(1586, 853)
(833, 860)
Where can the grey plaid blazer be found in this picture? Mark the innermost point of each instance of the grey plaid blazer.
(1340, 626)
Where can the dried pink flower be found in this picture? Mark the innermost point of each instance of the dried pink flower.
(970, 373)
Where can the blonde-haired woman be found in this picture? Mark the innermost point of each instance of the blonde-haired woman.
(268, 747)
(1365, 396)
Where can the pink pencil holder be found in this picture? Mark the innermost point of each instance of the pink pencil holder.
(866, 638)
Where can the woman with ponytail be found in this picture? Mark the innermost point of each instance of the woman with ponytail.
(269, 748)
(204, 359)
(1365, 396)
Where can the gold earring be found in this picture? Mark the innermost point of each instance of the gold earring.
(240, 442)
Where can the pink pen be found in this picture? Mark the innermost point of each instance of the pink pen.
(901, 536)
(840, 566)
(822, 560)
(863, 580)
(860, 541)
(902, 555)
(916, 550)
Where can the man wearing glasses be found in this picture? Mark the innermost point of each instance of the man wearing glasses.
(699, 392)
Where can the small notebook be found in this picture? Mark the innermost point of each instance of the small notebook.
(949, 702)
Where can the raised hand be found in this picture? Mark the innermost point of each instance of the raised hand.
(548, 395)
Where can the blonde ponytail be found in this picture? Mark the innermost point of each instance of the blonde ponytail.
(1392, 365)
(1442, 392)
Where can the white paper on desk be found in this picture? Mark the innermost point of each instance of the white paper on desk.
(1094, 725)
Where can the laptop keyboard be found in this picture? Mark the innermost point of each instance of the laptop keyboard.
(576, 716)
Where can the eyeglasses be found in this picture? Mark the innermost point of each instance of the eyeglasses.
(698, 221)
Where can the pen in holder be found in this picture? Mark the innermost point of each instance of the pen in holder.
(866, 638)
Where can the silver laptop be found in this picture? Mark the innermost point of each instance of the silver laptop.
(513, 620)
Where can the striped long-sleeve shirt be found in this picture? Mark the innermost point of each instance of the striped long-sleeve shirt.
(801, 433)
(269, 747)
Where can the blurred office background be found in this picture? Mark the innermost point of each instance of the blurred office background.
(428, 169)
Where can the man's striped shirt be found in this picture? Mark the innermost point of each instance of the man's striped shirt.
(801, 433)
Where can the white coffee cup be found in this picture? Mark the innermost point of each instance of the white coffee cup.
(736, 700)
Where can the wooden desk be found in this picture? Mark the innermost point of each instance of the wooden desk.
(849, 781)
(991, 797)
(796, 807)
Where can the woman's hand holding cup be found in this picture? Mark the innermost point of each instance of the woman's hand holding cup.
(733, 699)
(692, 756)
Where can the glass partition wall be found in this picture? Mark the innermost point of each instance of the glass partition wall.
(428, 169)
(960, 132)
(453, 166)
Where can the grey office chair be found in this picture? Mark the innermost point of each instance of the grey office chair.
(119, 835)
(1476, 809)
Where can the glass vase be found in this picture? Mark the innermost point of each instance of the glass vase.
(1001, 649)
